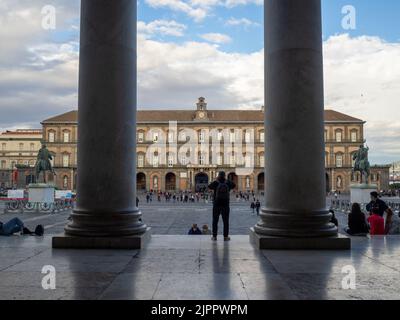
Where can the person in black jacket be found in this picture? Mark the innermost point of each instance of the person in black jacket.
(357, 221)
(221, 187)
(377, 203)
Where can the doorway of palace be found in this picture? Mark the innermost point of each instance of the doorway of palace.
(260, 182)
(201, 182)
(141, 182)
(170, 182)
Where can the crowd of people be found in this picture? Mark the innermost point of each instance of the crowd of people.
(375, 224)
(205, 196)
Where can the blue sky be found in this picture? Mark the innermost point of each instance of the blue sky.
(210, 48)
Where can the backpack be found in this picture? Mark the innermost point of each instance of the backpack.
(39, 230)
(222, 192)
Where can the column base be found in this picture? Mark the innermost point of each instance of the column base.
(75, 242)
(284, 243)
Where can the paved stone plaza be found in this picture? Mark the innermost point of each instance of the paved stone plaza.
(177, 266)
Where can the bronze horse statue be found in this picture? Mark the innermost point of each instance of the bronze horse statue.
(362, 164)
(43, 163)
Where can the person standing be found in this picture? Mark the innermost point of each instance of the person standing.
(253, 206)
(221, 187)
(378, 204)
(258, 207)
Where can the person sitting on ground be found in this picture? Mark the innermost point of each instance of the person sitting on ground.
(333, 218)
(376, 223)
(205, 230)
(16, 225)
(194, 230)
(357, 225)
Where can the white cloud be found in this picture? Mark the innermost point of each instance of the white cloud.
(198, 13)
(39, 77)
(362, 79)
(218, 38)
(198, 9)
(241, 22)
(162, 27)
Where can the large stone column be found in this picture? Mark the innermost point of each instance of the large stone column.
(295, 215)
(106, 215)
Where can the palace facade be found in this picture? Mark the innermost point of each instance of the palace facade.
(18, 149)
(173, 169)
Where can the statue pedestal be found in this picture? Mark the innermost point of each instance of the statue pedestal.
(41, 192)
(360, 193)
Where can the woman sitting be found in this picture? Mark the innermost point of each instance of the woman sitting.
(357, 224)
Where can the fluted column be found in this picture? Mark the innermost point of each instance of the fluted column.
(295, 203)
(106, 189)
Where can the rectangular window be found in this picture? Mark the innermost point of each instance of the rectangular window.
(338, 136)
(51, 136)
(21, 146)
(140, 161)
(262, 137)
(219, 135)
(66, 137)
(262, 161)
(32, 147)
(339, 161)
(201, 136)
(140, 137)
(202, 160)
(326, 135)
(170, 161)
(4, 146)
(3, 164)
(155, 161)
(183, 160)
(232, 136)
(247, 137)
(219, 160)
(354, 136)
(65, 160)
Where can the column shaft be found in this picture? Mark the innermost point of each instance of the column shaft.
(295, 203)
(106, 187)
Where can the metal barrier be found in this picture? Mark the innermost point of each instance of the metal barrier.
(345, 206)
(23, 205)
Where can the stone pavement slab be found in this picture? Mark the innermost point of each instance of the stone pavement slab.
(193, 267)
